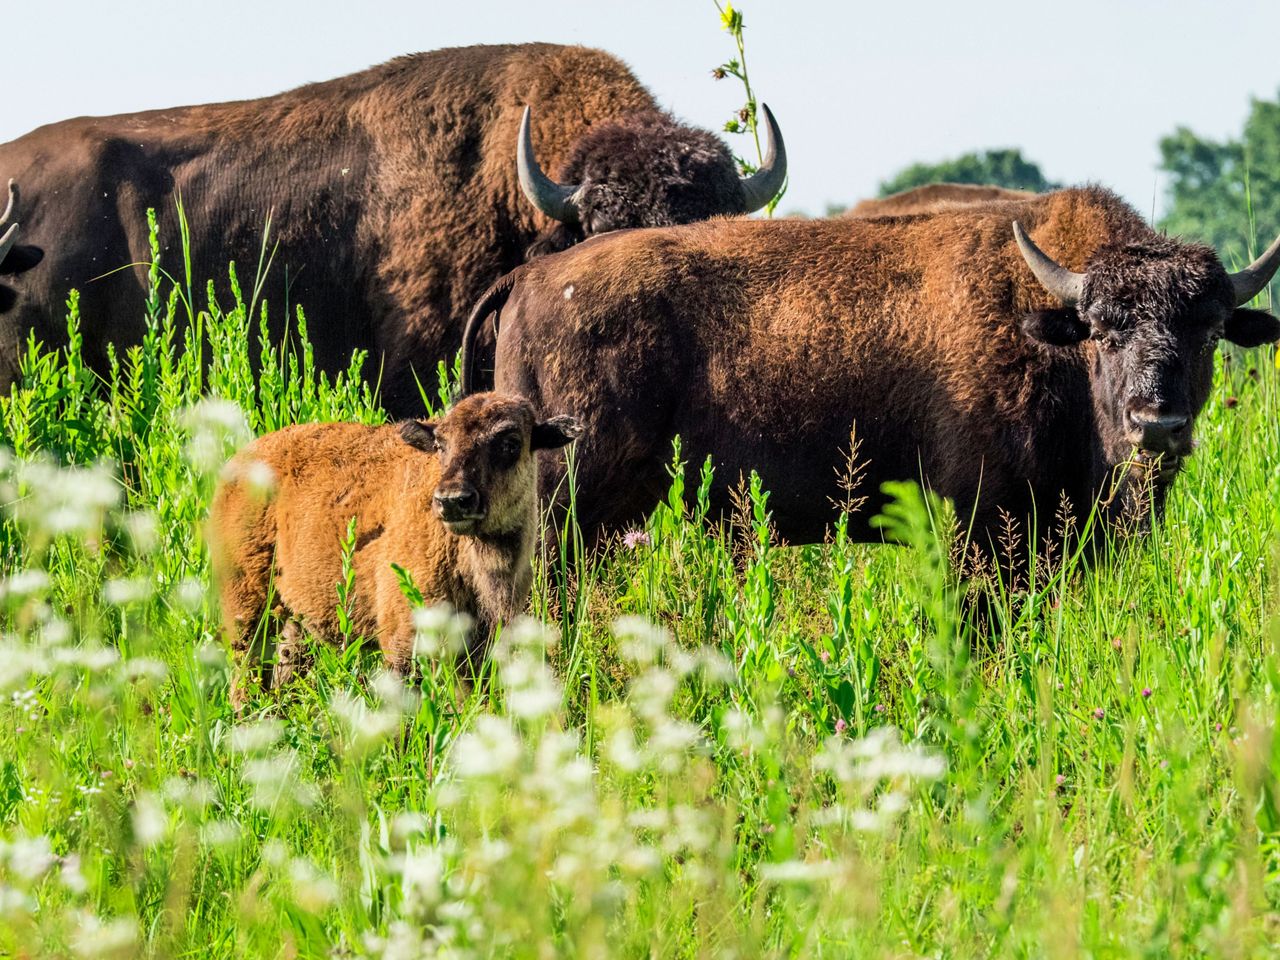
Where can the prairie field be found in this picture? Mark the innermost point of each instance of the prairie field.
(700, 743)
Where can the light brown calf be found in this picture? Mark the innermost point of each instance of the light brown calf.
(453, 501)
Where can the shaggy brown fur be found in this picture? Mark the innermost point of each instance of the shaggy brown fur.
(392, 192)
(760, 343)
(931, 197)
(462, 523)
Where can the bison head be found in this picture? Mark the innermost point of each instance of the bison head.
(645, 171)
(486, 444)
(1154, 310)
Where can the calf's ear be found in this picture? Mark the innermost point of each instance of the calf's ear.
(1057, 328)
(555, 432)
(420, 434)
(1251, 328)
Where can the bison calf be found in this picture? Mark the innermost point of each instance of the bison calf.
(453, 501)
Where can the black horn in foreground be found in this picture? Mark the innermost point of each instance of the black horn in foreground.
(1066, 285)
(1253, 279)
(763, 185)
(553, 199)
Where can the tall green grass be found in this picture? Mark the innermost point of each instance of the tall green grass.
(731, 748)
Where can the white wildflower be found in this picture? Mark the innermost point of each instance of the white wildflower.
(651, 694)
(256, 737)
(439, 631)
(639, 641)
(189, 594)
(113, 938)
(422, 871)
(491, 749)
(126, 590)
(145, 667)
(532, 691)
(363, 726)
(216, 428)
(408, 824)
(640, 860)
(313, 889)
(799, 871)
(259, 477)
(28, 857)
(143, 530)
(71, 876)
(622, 751)
(275, 781)
(150, 822)
(221, 834)
(23, 583)
(671, 742)
(65, 500)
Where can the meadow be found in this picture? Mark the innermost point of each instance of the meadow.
(701, 743)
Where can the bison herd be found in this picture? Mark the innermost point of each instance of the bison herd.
(1022, 354)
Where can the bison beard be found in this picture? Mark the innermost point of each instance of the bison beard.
(761, 343)
(393, 195)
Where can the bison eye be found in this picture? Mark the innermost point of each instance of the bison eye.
(507, 449)
(1110, 340)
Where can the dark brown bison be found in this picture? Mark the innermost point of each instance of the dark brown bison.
(964, 355)
(452, 501)
(931, 197)
(394, 195)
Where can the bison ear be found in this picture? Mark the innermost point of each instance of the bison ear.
(1251, 328)
(420, 434)
(555, 432)
(1057, 328)
(21, 259)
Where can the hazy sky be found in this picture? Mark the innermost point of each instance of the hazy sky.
(860, 89)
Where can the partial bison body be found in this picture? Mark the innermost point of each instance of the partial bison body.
(452, 501)
(932, 197)
(963, 356)
(394, 194)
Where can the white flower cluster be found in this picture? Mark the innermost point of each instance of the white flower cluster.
(49, 500)
(876, 772)
(216, 429)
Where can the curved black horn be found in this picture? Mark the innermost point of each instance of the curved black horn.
(1064, 284)
(13, 202)
(1253, 279)
(763, 185)
(553, 199)
(7, 241)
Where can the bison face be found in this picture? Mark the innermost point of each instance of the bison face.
(1153, 314)
(647, 171)
(485, 445)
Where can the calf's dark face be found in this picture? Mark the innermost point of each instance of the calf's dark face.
(1153, 316)
(485, 445)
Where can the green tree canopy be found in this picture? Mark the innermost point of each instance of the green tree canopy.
(1001, 168)
(1226, 194)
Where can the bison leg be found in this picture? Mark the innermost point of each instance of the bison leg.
(291, 654)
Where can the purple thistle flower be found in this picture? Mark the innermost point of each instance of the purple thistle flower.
(634, 539)
(1059, 780)
(1099, 713)
(841, 726)
(1146, 692)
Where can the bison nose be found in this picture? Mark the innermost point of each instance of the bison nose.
(457, 504)
(1156, 430)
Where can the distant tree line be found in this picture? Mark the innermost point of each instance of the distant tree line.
(1004, 168)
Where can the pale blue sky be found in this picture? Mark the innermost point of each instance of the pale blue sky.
(860, 89)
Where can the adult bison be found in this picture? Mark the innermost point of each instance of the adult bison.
(962, 353)
(932, 197)
(394, 195)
